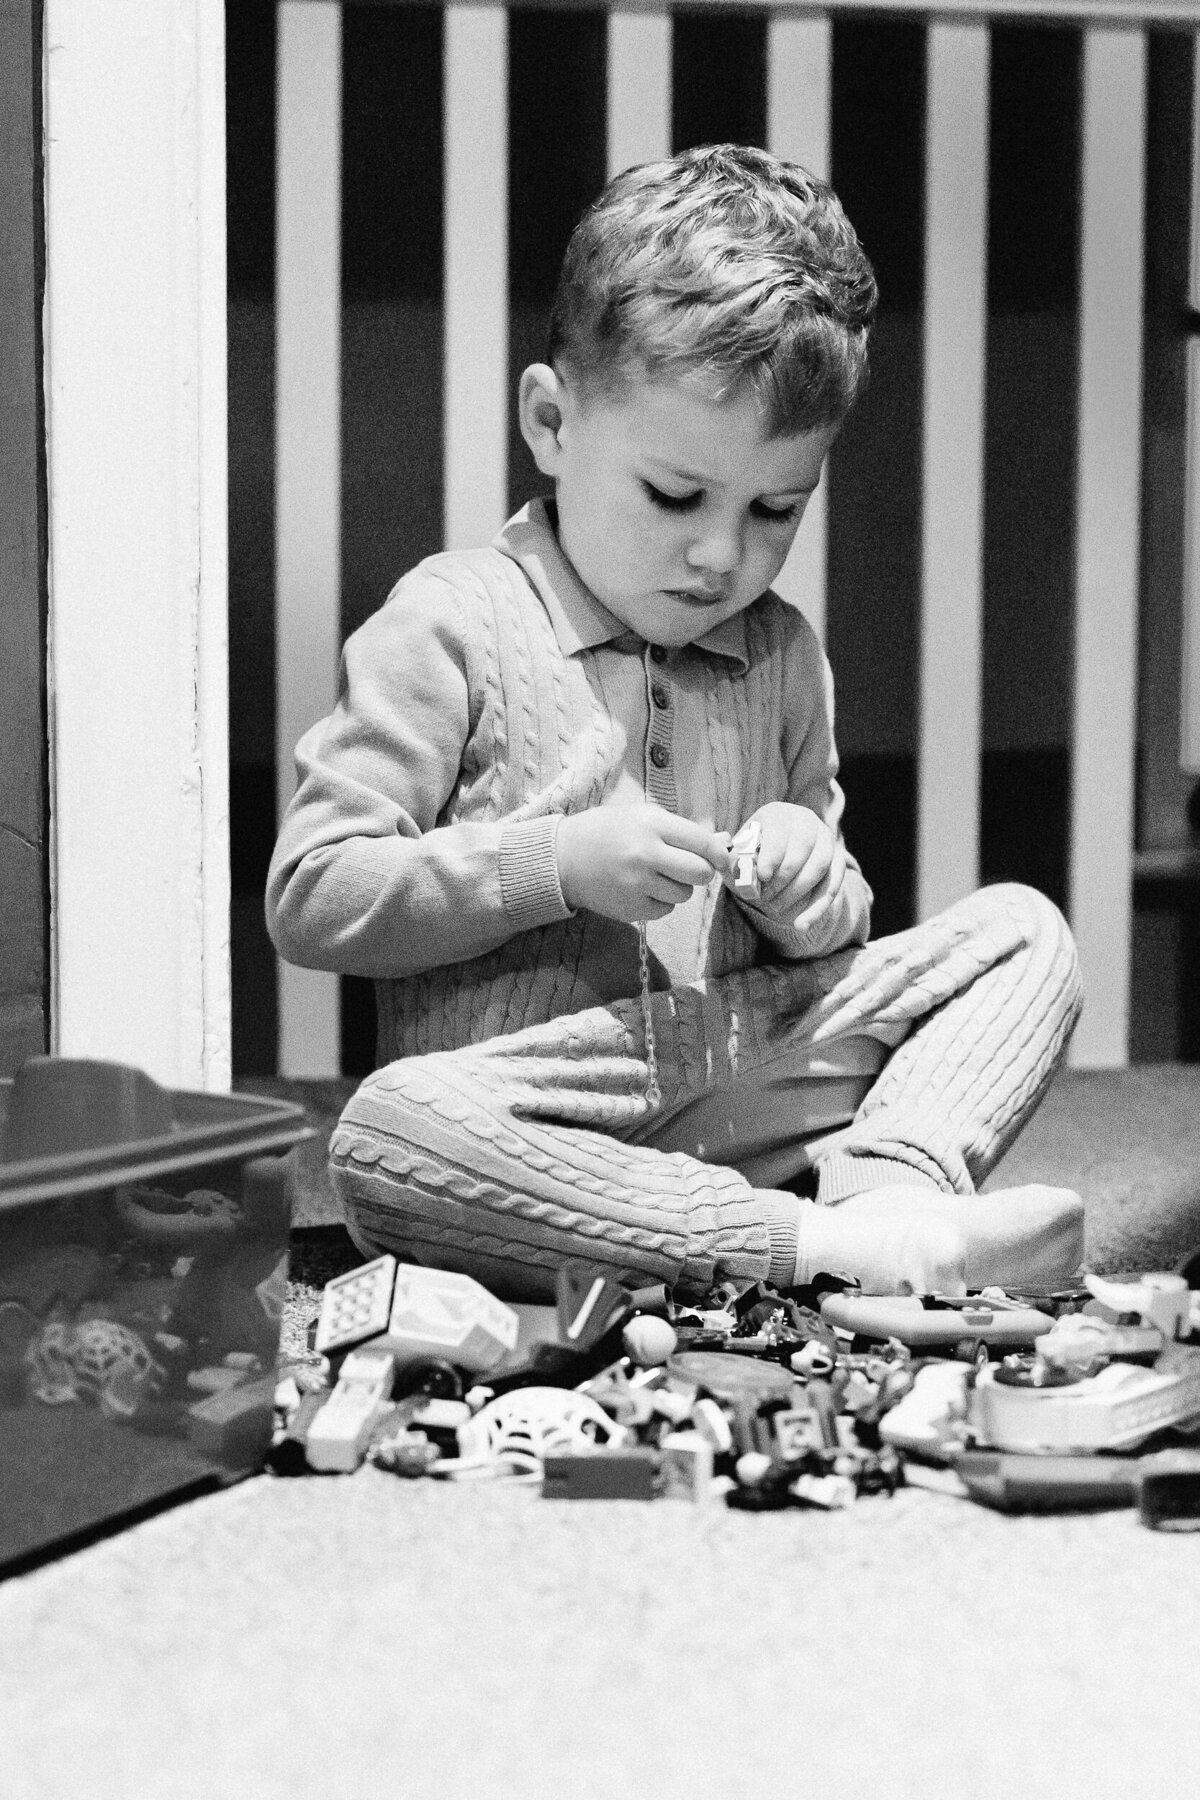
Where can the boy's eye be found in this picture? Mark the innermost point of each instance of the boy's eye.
(782, 515)
(672, 502)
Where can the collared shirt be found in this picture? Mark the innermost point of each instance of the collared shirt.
(490, 695)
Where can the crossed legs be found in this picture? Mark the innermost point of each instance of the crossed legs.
(891, 1078)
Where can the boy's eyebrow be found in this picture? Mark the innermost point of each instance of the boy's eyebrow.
(670, 468)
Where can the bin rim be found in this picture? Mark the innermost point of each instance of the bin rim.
(259, 1126)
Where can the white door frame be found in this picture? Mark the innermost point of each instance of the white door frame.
(135, 358)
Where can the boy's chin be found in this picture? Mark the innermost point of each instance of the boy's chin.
(672, 620)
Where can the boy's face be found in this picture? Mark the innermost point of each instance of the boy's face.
(676, 510)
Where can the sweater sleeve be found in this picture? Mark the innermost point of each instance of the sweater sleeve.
(370, 875)
(811, 759)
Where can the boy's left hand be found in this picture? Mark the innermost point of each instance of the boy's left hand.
(801, 865)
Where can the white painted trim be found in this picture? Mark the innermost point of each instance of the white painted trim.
(1108, 514)
(639, 88)
(1189, 699)
(799, 126)
(475, 79)
(308, 450)
(955, 373)
(137, 472)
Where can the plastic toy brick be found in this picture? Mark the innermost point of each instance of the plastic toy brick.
(711, 1423)
(406, 1453)
(235, 1427)
(1048, 1483)
(1116, 1409)
(732, 1378)
(589, 1304)
(1161, 1299)
(906, 1317)
(744, 849)
(216, 1380)
(603, 1475)
(793, 1433)
(830, 1492)
(436, 1414)
(687, 1465)
(338, 1436)
(930, 1419)
(287, 1454)
(415, 1313)
(437, 1313)
(355, 1306)
(1169, 1490)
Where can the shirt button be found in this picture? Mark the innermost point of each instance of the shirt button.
(660, 696)
(660, 756)
(657, 653)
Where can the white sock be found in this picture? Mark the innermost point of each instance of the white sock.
(896, 1240)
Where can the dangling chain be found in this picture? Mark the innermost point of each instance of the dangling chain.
(653, 1091)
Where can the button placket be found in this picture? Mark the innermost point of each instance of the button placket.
(660, 783)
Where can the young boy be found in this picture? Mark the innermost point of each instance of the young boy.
(518, 821)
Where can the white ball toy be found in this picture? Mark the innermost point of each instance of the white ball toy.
(648, 1340)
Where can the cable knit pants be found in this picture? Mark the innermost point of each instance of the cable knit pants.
(916, 1059)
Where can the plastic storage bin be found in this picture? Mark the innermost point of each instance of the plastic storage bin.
(143, 1269)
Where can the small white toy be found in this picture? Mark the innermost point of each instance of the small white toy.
(744, 849)
(648, 1340)
(687, 1466)
(338, 1437)
(931, 1419)
(1113, 1410)
(416, 1313)
(523, 1427)
(355, 1307)
(1161, 1299)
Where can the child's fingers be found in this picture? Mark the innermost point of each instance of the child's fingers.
(799, 874)
(813, 914)
(684, 869)
(821, 903)
(684, 834)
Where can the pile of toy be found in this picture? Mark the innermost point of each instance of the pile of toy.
(765, 1399)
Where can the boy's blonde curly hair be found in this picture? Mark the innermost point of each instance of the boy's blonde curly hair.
(725, 267)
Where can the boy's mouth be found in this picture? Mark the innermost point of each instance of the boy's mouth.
(697, 596)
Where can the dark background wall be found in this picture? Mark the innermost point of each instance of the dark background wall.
(391, 483)
(24, 867)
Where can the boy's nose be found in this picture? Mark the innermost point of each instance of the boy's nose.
(718, 550)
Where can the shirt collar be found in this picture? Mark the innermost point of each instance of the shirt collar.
(580, 621)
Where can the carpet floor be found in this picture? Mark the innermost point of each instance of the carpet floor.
(359, 1635)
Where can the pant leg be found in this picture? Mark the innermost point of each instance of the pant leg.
(508, 1157)
(994, 998)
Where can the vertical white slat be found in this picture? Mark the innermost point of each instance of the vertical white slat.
(136, 383)
(639, 88)
(208, 274)
(955, 349)
(1189, 710)
(799, 127)
(1108, 518)
(307, 449)
(476, 274)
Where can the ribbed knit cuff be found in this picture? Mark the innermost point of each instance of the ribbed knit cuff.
(529, 884)
(781, 1213)
(841, 1174)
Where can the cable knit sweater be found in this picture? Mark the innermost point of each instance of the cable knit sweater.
(488, 697)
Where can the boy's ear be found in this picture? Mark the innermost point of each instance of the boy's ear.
(540, 400)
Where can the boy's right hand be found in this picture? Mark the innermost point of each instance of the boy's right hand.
(635, 862)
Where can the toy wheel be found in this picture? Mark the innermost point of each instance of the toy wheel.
(971, 1350)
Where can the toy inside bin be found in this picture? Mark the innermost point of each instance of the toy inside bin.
(143, 1269)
